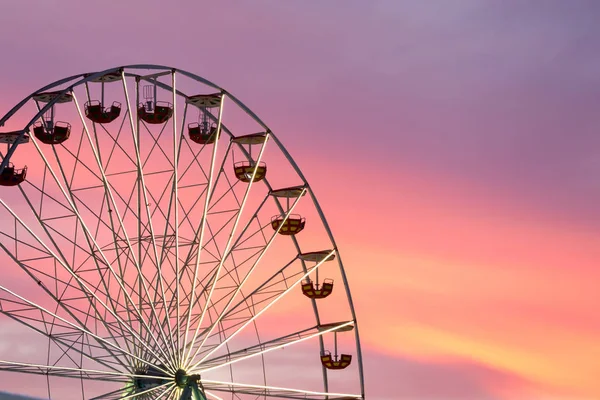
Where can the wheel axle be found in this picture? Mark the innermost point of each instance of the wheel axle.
(191, 384)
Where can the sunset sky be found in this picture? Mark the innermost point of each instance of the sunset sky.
(454, 146)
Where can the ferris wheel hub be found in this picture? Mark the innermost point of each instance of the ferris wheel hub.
(182, 378)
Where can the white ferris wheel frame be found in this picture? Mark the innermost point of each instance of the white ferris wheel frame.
(179, 356)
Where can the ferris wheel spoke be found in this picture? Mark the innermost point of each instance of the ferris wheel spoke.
(256, 351)
(173, 174)
(170, 286)
(107, 199)
(142, 192)
(212, 233)
(161, 324)
(248, 274)
(66, 372)
(264, 309)
(247, 352)
(274, 391)
(200, 234)
(186, 216)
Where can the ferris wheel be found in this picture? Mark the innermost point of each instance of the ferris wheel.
(159, 242)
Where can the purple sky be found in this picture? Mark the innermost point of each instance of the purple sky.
(478, 90)
(497, 95)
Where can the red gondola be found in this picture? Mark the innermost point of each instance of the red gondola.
(292, 225)
(159, 113)
(201, 134)
(335, 362)
(11, 176)
(101, 115)
(48, 130)
(48, 134)
(312, 290)
(245, 169)
(205, 131)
